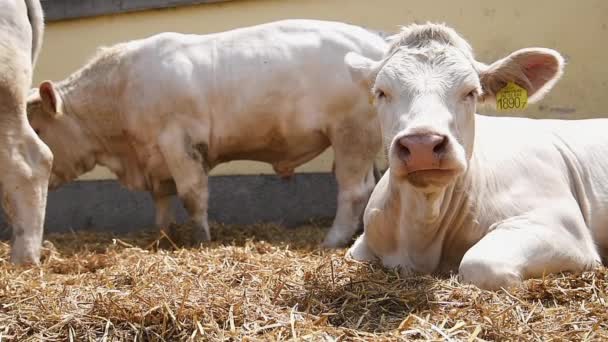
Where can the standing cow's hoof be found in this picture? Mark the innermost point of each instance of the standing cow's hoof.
(167, 241)
(336, 239)
(200, 235)
(25, 251)
(169, 237)
(24, 257)
(164, 244)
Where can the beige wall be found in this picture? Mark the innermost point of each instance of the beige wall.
(494, 28)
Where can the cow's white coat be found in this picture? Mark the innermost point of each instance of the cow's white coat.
(161, 112)
(25, 161)
(512, 198)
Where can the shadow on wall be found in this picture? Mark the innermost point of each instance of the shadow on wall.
(105, 205)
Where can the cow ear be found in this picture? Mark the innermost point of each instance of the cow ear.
(535, 69)
(51, 101)
(362, 70)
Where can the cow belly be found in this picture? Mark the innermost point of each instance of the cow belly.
(156, 166)
(280, 151)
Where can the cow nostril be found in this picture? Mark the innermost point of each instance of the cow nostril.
(441, 146)
(402, 150)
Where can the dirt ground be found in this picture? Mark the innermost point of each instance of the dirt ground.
(266, 283)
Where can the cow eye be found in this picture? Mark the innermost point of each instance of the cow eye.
(37, 131)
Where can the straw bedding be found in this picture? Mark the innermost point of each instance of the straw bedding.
(264, 282)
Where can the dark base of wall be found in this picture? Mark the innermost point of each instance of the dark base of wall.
(70, 9)
(106, 205)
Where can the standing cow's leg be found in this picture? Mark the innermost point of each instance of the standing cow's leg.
(189, 166)
(161, 195)
(355, 147)
(25, 161)
(25, 166)
(529, 246)
(164, 216)
(196, 203)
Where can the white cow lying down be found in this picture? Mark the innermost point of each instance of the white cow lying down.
(25, 162)
(499, 199)
(161, 112)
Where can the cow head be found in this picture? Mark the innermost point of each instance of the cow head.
(426, 90)
(72, 149)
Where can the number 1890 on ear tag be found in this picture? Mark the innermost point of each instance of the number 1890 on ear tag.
(511, 97)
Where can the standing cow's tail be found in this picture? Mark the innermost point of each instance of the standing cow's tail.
(36, 18)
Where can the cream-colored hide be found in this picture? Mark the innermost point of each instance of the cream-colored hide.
(499, 199)
(161, 112)
(25, 161)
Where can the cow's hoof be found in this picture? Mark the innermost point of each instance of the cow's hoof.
(335, 241)
(24, 252)
(24, 258)
(165, 244)
(170, 237)
(200, 236)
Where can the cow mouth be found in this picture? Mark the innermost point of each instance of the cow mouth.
(431, 177)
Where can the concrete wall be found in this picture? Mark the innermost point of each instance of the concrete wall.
(235, 199)
(494, 28)
(74, 9)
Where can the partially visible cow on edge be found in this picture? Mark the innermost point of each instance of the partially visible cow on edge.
(25, 161)
(499, 199)
(163, 111)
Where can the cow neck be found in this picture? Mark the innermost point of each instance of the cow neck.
(67, 92)
(91, 102)
(65, 99)
(433, 214)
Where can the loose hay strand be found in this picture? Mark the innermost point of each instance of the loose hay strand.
(265, 282)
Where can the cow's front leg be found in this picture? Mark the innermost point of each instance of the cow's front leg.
(24, 174)
(354, 171)
(188, 163)
(354, 189)
(165, 220)
(162, 194)
(196, 202)
(164, 215)
(529, 246)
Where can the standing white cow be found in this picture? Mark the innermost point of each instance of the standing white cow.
(25, 162)
(499, 199)
(161, 112)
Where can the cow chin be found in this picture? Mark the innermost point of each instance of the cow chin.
(432, 178)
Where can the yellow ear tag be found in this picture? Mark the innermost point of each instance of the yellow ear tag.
(371, 99)
(511, 97)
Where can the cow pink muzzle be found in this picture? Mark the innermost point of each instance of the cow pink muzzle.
(421, 152)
